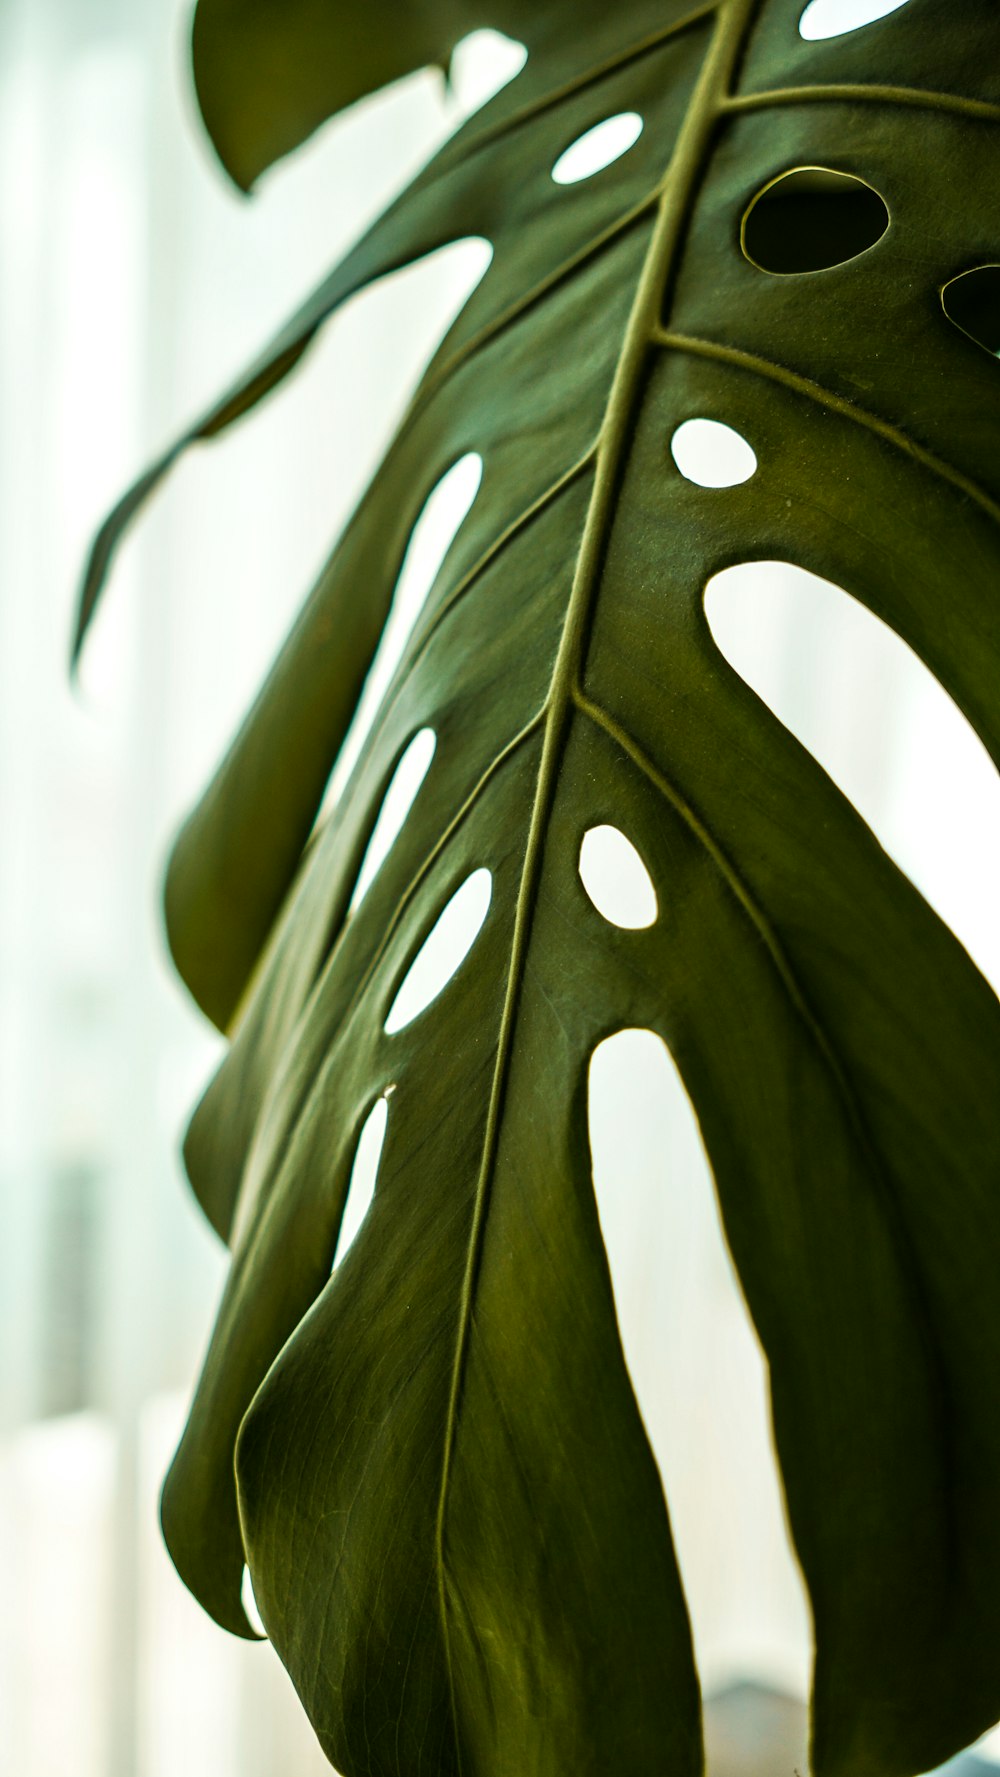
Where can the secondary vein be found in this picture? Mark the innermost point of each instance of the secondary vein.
(422, 637)
(813, 391)
(843, 1084)
(259, 1177)
(598, 71)
(911, 97)
(627, 744)
(440, 372)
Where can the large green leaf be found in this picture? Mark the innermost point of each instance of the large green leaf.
(454, 1524)
(268, 71)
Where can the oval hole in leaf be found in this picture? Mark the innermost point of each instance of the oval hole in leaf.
(616, 879)
(443, 951)
(443, 513)
(364, 1172)
(881, 726)
(972, 303)
(712, 454)
(695, 1365)
(598, 148)
(834, 18)
(811, 219)
(396, 804)
(249, 1603)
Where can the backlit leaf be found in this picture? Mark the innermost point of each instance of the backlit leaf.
(455, 1527)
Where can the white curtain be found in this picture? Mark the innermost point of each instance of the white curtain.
(133, 282)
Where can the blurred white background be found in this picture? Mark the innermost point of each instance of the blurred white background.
(133, 282)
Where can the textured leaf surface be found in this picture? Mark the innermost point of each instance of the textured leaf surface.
(455, 1527)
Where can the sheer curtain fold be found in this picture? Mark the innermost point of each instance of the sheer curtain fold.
(132, 283)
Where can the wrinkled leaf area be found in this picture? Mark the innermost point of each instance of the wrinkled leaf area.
(455, 1526)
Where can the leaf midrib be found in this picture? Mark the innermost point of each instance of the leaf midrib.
(685, 169)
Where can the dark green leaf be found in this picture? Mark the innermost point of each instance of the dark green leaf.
(443, 1488)
(268, 72)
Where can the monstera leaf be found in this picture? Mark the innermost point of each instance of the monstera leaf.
(442, 1485)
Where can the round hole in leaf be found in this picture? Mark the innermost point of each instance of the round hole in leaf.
(616, 879)
(712, 454)
(810, 219)
(364, 1172)
(598, 148)
(972, 303)
(834, 18)
(443, 951)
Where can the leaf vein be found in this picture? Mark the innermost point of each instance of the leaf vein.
(843, 1084)
(910, 97)
(689, 157)
(250, 1219)
(422, 637)
(445, 369)
(590, 77)
(813, 391)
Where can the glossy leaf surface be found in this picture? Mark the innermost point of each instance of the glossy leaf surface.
(455, 1527)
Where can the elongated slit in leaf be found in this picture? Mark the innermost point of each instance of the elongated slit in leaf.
(443, 951)
(696, 1367)
(600, 147)
(396, 805)
(445, 511)
(909, 761)
(364, 1173)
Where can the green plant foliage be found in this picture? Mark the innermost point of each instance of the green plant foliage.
(443, 1488)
